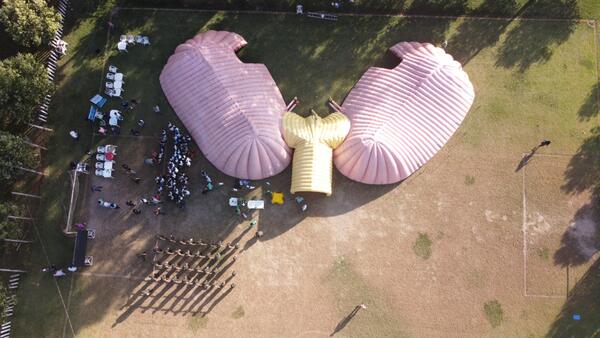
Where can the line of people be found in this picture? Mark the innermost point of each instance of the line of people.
(204, 283)
(193, 242)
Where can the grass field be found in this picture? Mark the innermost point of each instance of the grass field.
(442, 252)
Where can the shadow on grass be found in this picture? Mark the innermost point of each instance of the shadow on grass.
(581, 242)
(308, 59)
(584, 301)
(589, 109)
(474, 35)
(529, 42)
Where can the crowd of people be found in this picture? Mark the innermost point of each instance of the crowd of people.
(175, 180)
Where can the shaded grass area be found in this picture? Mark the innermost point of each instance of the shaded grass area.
(543, 8)
(517, 97)
(40, 312)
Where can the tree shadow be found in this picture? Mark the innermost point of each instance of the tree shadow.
(582, 300)
(437, 7)
(590, 108)
(474, 35)
(580, 242)
(582, 239)
(531, 42)
(583, 171)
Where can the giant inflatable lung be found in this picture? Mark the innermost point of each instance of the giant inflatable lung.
(232, 109)
(401, 117)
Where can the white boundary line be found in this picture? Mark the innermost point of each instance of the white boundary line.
(62, 300)
(597, 74)
(110, 275)
(399, 14)
(524, 229)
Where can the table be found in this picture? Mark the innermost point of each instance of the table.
(256, 204)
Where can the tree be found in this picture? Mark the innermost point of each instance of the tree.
(29, 22)
(10, 228)
(14, 152)
(23, 85)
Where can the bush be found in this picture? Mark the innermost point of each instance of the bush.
(493, 312)
(23, 85)
(29, 22)
(422, 246)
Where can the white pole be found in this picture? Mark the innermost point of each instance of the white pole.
(35, 145)
(29, 170)
(40, 127)
(15, 240)
(25, 195)
(19, 217)
(11, 270)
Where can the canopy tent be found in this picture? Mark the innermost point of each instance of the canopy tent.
(401, 117)
(314, 139)
(232, 109)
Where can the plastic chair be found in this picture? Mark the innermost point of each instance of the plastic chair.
(110, 76)
(109, 85)
(112, 69)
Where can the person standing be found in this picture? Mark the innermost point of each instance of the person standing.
(74, 135)
(142, 256)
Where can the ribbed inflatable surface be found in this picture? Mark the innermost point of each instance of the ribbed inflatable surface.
(401, 117)
(232, 109)
(314, 139)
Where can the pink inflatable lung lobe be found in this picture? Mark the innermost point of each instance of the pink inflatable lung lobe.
(232, 109)
(401, 117)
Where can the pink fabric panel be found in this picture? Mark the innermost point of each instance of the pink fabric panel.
(401, 117)
(233, 110)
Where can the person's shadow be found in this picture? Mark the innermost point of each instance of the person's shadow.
(526, 159)
(345, 321)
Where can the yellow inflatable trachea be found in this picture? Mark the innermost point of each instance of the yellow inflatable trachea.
(314, 139)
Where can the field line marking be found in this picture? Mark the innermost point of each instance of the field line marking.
(110, 275)
(62, 300)
(597, 74)
(401, 15)
(524, 230)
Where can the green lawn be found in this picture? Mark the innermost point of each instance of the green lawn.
(532, 80)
